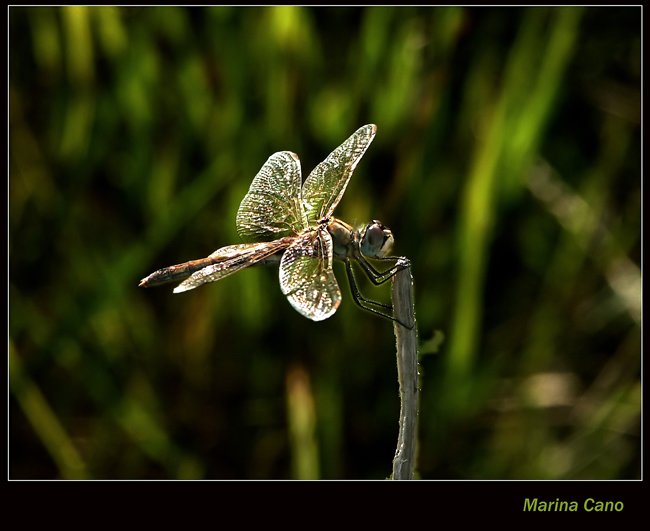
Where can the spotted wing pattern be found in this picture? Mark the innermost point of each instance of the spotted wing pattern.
(231, 259)
(272, 207)
(326, 184)
(306, 275)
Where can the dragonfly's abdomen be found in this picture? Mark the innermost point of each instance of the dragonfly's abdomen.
(176, 273)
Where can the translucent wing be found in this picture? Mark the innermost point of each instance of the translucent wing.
(326, 184)
(307, 278)
(230, 259)
(272, 207)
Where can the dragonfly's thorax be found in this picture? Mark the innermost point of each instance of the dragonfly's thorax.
(374, 240)
(345, 238)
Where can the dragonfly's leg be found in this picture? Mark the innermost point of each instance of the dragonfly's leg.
(364, 303)
(378, 277)
(358, 298)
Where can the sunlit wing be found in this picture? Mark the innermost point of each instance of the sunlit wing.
(230, 259)
(272, 207)
(326, 184)
(307, 278)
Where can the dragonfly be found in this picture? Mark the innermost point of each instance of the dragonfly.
(286, 222)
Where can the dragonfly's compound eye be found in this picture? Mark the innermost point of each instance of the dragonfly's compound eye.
(377, 240)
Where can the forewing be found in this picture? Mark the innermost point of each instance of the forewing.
(229, 260)
(272, 207)
(326, 184)
(307, 278)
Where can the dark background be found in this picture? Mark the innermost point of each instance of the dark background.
(506, 162)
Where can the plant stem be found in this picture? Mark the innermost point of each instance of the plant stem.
(407, 375)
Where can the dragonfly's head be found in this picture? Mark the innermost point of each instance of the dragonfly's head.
(376, 240)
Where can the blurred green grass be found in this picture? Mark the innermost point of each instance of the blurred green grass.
(507, 163)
